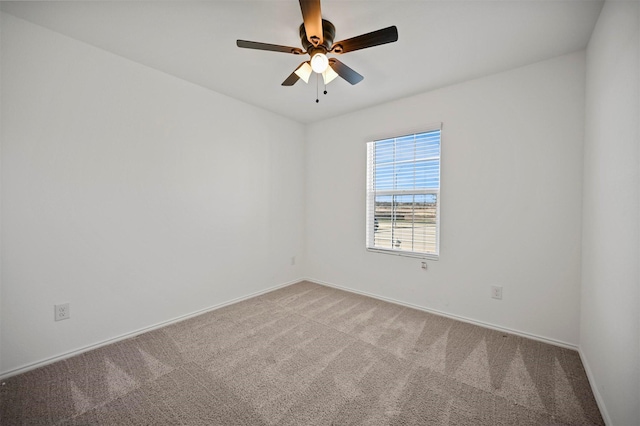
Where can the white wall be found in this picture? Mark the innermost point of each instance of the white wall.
(610, 307)
(510, 199)
(133, 195)
(1, 136)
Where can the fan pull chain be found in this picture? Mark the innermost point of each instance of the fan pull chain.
(317, 88)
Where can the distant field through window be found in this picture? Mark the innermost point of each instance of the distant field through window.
(403, 191)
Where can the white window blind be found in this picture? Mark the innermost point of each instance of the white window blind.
(403, 193)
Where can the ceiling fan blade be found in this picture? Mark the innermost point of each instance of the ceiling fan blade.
(291, 80)
(270, 47)
(312, 18)
(345, 72)
(374, 38)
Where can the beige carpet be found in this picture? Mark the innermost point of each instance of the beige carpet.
(309, 355)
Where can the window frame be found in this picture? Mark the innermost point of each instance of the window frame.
(371, 193)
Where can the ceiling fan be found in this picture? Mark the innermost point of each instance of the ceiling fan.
(316, 35)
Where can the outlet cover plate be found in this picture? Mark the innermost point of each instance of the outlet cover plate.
(496, 292)
(62, 312)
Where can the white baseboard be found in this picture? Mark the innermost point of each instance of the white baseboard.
(594, 388)
(452, 316)
(41, 363)
(596, 393)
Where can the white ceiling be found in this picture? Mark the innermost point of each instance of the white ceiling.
(440, 43)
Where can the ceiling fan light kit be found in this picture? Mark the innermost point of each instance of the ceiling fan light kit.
(304, 71)
(329, 75)
(316, 36)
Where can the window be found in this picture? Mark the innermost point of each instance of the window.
(403, 194)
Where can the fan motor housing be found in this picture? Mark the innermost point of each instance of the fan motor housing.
(328, 34)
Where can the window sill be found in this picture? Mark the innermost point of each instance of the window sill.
(404, 253)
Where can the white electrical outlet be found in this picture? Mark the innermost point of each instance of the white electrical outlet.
(496, 291)
(62, 312)
(293, 260)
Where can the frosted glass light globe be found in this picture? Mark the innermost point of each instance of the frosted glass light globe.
(319, 62)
